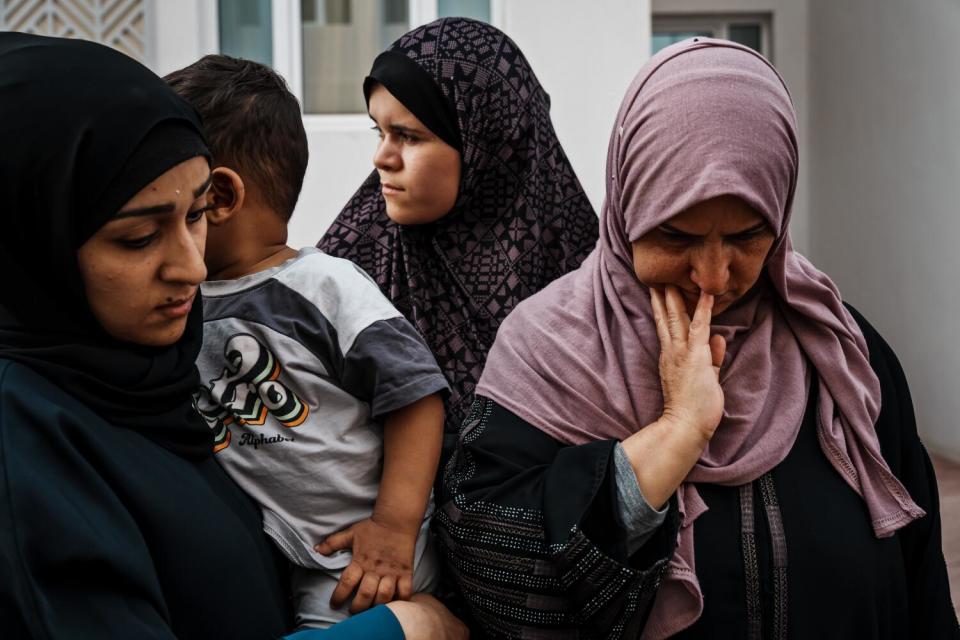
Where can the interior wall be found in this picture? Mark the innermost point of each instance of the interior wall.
(886, 175)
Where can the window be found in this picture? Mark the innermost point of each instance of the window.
(477, 9)
(246, 30)
(324, 48)
(752, 30)
(339, 46)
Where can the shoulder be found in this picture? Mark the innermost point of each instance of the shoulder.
(318, 275)
(24, 392)
(341, 291)
(56, 419)
(883, 360)
(896, 426)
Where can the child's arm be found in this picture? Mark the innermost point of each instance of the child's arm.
(383, 545)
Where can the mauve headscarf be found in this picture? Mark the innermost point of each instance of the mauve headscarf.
(703, 118)
(521, 218)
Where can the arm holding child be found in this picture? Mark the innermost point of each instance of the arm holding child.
(383, 544)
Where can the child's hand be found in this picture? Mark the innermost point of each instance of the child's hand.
(382, 565)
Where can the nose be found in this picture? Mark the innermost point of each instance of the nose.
(183, 263)
(710, 268)
(387, 155)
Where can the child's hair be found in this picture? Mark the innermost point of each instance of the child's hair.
(252, 123)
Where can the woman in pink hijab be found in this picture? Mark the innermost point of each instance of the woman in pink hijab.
(692, 435)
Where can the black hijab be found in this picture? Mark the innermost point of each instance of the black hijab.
(83, 129)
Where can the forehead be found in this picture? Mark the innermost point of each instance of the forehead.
(383, 105)
(721, 215)
(176, 184)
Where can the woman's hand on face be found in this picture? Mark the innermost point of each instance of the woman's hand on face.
(690, 360)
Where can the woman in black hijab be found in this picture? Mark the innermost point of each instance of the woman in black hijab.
(115, 521)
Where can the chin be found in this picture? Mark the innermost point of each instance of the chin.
(159, 337)
(408, 216)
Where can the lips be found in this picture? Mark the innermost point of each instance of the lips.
(390, 189)
(178, 307)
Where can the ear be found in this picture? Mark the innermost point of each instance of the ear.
(226, 195)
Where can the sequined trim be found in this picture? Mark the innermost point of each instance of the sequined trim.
(518, 586)
(778, 539)
(751, 566)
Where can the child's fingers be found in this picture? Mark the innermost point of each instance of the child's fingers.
(349, 580)
(405, 587)
(386, 590)
(366, 592)
(335, 542)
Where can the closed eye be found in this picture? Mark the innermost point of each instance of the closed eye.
(195, 215)
(749, 234)
(675, 234)
(139, 243)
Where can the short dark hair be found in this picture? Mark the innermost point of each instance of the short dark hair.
(252, 123)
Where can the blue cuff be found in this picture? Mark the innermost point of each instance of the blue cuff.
(378, 623)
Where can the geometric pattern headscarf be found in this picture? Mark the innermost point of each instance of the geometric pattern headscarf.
(520, 220)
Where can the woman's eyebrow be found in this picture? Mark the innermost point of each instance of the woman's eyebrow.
(403, 129)
(671, 229)
(757, 227)
(163, 208)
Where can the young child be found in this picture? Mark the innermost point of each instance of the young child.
(323, 397)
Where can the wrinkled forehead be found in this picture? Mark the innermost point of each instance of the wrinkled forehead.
(704, 120)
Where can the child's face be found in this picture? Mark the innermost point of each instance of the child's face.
(141, 270)
(419, 172)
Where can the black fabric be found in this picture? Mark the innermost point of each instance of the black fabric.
(104, 534)
(531, 535)
(84, 128)
(843, 582)
(415, 89)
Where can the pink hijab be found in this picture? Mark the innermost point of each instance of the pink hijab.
(703, 118)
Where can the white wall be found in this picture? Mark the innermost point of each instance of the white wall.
(585, 55)
(790, 40)
(886, 184)
(182, 31)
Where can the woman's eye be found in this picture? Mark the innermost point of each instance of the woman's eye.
(378, 131)
(194, 216)
(139, 243)
(747, 236)
(674, 236)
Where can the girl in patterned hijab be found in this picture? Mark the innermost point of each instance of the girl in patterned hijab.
(473, 205)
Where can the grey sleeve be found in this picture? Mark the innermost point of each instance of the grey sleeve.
(636, 514)
(389, 366)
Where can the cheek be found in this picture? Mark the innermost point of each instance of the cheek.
(116, 291)
(432, 181)
(749, 264)
(660, 267)
(436, 176)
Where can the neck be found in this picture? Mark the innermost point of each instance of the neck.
(265, 257)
